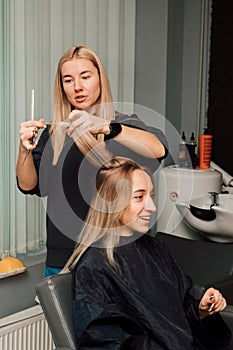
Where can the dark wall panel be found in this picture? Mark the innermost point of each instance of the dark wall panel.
(220, 111)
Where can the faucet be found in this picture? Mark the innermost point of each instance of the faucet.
(215, 199)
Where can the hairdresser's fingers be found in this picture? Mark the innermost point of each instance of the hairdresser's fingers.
(94, 125)
(78, 117)
(75, 114)
(27, 128)
(29, 132)
(33, 123)
(88, 122)
(28, 138)
(74, 121)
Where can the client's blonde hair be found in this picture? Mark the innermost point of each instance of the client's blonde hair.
(113, 193)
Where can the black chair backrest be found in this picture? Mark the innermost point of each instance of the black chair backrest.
(55, 297)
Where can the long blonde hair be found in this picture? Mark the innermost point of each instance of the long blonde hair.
(62, 106)
(113, 193)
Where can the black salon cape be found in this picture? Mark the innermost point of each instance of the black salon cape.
(144, 304)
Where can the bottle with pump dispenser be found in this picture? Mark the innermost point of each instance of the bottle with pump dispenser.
(205, 148)
(182, 151)
(187, 155)
(191, 146)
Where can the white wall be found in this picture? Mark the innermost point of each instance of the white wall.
(151, 54)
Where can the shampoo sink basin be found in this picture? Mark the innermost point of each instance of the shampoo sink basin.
(210, 216)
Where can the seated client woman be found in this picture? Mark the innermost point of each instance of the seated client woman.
(129, 292)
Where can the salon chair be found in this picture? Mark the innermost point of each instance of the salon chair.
(55, 296)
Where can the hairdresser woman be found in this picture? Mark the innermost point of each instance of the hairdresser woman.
(83, 119)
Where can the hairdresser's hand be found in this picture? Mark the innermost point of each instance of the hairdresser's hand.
(211, 302)
(87, 122)
(29, 132)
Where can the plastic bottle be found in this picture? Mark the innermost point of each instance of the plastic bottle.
(205, 148)
(182, 151)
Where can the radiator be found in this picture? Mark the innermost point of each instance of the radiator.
(25, 330)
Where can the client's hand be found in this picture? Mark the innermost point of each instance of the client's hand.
(211, 302)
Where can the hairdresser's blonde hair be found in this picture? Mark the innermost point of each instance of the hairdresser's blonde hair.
(114, 190)
(62, 106)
